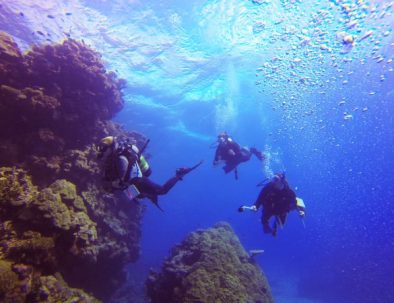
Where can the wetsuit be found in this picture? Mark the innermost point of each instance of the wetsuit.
(276, 202)
(230, 152)
(146, 187)
(151, 190)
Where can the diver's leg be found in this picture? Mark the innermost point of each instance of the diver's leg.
(259, 155)
(265, 221)
(229, 167)
(282, 218)
(275, 225)
(168, 185)
(146, 186)
(245, 155)
(279, 221)
(149, 188)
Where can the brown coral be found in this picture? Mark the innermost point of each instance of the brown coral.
(211, 267)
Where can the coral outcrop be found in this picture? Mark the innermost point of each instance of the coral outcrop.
(61, 236)
(209, 266)
(54, 99)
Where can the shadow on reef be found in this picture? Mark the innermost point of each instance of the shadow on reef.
(60, 236)
(209, 266)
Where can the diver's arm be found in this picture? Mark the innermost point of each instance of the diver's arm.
(262, 196)
(218, 154)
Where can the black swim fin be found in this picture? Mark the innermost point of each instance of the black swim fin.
(158, 206)
(195, 166)
(180, 172)
(155, 201)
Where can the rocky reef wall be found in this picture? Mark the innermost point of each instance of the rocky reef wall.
(61, 237)
(209, 266)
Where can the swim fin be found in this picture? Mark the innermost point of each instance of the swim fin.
(155, 201)
(195, 166)
(157, 205)
(181, 172)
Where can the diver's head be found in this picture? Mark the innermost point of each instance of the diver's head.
(105, 147)
(279, 181)
(222, 137)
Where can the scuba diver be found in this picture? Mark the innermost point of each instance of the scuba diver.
(233, 154)
(126, 169)
(277, 200)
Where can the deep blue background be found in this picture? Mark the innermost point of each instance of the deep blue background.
(345, 251)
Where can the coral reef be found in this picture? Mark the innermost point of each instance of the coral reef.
(54, 100)
(209, 266)
(59, 232)
(19, 283)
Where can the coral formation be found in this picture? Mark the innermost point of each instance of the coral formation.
(54, 101)
(209, 266)
(19, 283)
(58, 230)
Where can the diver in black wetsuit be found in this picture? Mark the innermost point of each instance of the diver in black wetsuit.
(125, 167)
(277, 200)
(233, 154)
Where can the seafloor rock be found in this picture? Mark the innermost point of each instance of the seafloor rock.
(58, 229)
(209, 266)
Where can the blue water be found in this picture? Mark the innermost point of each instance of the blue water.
(275, 75)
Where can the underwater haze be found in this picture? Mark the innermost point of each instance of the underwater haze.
(311, 83)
